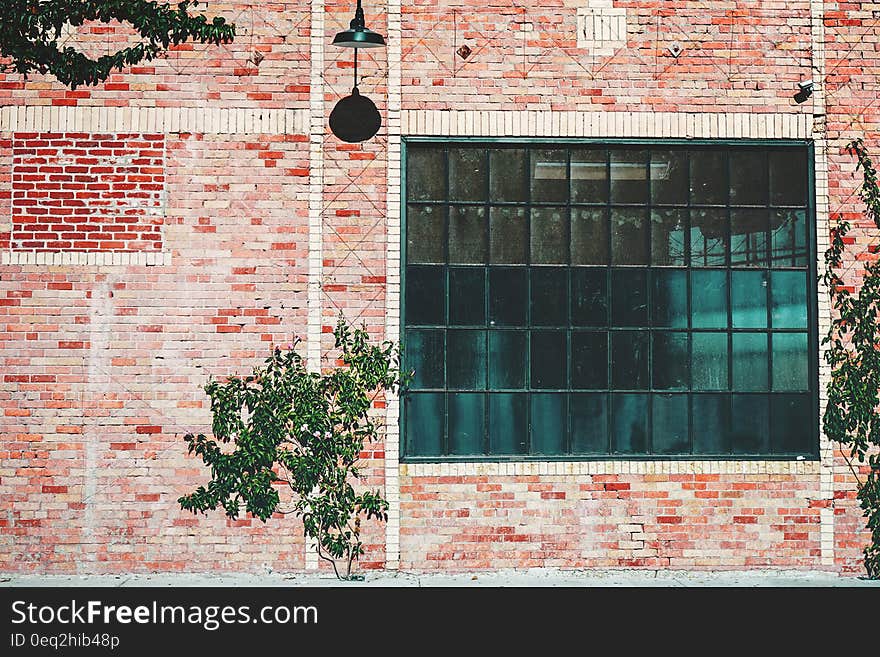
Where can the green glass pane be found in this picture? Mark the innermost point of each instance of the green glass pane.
(748, 177)
(790, 361)
(508, 423)
(708, 239)
(424, 423)
(629, 179)
(709, 361)
(669, 177)
(792, 424)
(507, 174)
(548, 424)
(750, 424)
(467, 235)
(750, 360)
(788, 176)
(788, 234)
(467, 423)
(549, 238)
(708, 177)
(425, 174)
(748, 237)
(549, 356)
(589, 297)
(508, 241)
(710, 420)
(467, 296)
(670, 361)
(425, 354)
(629, 360)
(507, 360)
(549, 292)
(748, 299)
(668, 238)
(589, 236)
(788, 293)
(425, 234)
(669, 424)
(508, 296)
(467, 174)
(629, 237)
(589, 423)
(669, 298)
(425, 295)
(549, 176)
(709, 299)
(589, 360)
(465, 359)
(629, 297)
(629, 424)
(589, 175)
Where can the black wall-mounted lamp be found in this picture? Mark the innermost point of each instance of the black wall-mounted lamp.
(356, 118)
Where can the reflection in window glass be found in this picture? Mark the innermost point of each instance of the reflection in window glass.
(789, 299)
(708, 177)
(669, 298)
(589, 175)
(507, 360)
(708, 299)
(669, 177)
(629, 176)
(748, 177)
(710, 418)
(629, 424)
(748, 238)
(589, 423)
(668, 238)
(789, 238)
(750, 371)
(670, 361)
(708, 238)
(549, 176)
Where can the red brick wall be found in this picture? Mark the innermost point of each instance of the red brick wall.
(102, 367)
(80, 192)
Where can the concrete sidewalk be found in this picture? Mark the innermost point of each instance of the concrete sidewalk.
(561, 578)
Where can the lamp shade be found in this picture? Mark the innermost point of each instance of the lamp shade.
(355, 118)
(359, 38)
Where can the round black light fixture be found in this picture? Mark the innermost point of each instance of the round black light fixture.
(356, 118)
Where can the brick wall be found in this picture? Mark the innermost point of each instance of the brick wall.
(221, 217)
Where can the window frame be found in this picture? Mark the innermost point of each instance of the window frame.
(647, 143)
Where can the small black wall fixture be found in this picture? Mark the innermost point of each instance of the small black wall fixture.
(355, 117)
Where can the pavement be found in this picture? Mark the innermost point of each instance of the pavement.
(510, 578)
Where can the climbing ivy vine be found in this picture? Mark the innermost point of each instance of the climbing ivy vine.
(852, 415)
(31, 35)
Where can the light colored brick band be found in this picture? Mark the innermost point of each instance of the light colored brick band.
(88, 259)
(392, 273)
(520, 468)
(605, 124)
(201, 120)
(826, 451)
(314, 122)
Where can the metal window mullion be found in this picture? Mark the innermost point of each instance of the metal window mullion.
(528, 245)
(609, 401)
(649, 279)
(486, 299)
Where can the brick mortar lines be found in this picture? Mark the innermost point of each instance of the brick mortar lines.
(316, 186)
(826, 452)
(392, 281)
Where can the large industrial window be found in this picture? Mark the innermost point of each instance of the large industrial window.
(569, 299)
